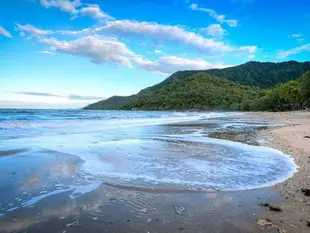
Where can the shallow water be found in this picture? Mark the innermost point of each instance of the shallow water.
(44, 153)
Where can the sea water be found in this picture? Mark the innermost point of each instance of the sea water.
(74, 152)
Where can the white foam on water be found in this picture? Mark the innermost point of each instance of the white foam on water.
(12, 209)
(80, 190)
(123, 141)
(77, 190)
(176, 117)
(193, 173)
(36, 199)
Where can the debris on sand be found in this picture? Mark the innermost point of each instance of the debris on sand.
(306, 192)
(270, 207)
(74, 223)
(264, 223)
(306, 136)
(179, 209)
(144, 210)
(308, 224)
(267, 224)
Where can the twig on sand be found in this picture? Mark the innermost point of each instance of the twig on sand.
(270, 207)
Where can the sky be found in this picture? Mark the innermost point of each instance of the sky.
(69, 53)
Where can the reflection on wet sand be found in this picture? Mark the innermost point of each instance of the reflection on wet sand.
(12, 152)
(110, 209)
(49, 173)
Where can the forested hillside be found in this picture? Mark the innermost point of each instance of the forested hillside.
(200, 91)
(252, 74)
(258, 74)
(293, 95)
(115, 102)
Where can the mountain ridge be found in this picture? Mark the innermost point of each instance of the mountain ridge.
(254, 74)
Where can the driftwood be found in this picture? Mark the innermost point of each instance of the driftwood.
(270, 207)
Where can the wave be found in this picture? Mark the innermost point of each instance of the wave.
(108, 121)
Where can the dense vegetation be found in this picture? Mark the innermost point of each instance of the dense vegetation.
(115, 102)
(200, 91)
(293, 95)
(186, 86)
(257, 74)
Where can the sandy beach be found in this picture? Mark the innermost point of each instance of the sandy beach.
(291, 139)
(117, 208)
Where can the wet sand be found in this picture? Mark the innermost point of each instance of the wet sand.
(291, 139)
(117, 209)
(110, 209)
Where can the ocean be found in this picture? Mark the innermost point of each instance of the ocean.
(45, 153)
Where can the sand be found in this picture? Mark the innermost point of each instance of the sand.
(291, 139)
(112, 209)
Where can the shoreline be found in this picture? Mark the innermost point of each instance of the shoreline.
(290, 139)
(111, 208)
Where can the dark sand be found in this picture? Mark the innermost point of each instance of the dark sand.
(111, 209)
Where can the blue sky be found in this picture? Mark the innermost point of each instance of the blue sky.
(68, 53)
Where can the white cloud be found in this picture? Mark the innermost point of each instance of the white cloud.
(98, 50)
(84, 97)
(170, 64)
(84, 32)
(48, 94)
(167, 33)
(157, 51)
(300, 40)
(33, 31)
(108, 50)
(69, 6)
(285, 53)
(219, 18)
(251, 56)
(46, 52)
(214, 30)
(76, 8)
(297, 35)
(156, 32)
(94, 11)
(4, 32)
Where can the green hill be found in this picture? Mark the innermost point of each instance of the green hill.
(292, 95)
(200, 91)
(255, 74)
(115, 102)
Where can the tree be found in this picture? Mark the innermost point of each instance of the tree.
(304, 88)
